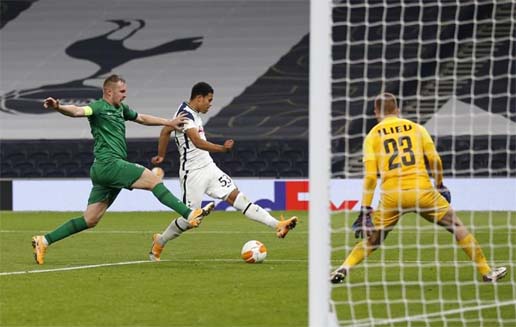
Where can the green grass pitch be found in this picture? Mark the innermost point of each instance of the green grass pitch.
(203, 282)
(429, 280)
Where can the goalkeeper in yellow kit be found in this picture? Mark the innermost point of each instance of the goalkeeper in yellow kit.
(396, 149)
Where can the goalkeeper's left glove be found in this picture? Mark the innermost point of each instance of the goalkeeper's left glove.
(445, 192)
(363, 223)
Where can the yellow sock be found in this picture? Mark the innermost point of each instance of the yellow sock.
(470, 245)
(359, 253)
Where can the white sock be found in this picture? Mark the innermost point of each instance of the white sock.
(254, 212)
(176, 228)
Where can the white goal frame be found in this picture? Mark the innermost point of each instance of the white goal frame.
(320, 99)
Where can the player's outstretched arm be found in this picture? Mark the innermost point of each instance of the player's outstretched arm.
(164, 138)
(193, 135)
(434, 160)
(436, 169)
(369, 183)
(150, 120)
(435, 164)
(69, 110)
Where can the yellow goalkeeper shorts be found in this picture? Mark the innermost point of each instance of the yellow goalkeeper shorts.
(426, 202)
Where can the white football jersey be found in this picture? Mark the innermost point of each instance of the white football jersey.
(191, 158)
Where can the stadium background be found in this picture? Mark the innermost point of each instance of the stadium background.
(255, 53)
(258, 66)
(259, 72)
(242, 48)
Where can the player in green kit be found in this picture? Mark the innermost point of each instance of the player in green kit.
(111, 172)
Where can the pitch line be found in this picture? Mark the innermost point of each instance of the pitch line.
(75, 268)
(431, 315)
(124, 263)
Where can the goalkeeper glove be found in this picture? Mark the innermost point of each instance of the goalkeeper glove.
(445, 192)
(363, 223)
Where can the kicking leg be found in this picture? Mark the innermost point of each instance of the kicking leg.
(91, 217)
(254, 212)
(179, 225)
(151, 182)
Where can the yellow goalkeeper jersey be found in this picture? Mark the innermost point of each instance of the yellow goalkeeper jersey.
(399, 147)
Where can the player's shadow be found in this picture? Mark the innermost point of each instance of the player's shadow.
(105, 51)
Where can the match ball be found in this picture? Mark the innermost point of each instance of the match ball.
(158, 172)
(254, 252)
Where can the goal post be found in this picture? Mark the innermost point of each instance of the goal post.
(319, 161)
(451, 65)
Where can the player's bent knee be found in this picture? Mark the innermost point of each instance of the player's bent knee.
(92, 221)
(376, 238)
(241, 202)
(91, 224)
(232, 196)
(94, 213)
(447, 221)
(147, 181)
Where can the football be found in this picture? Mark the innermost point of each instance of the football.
(254, 252)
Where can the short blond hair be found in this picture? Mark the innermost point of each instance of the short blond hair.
(113, 79)
(386, 103)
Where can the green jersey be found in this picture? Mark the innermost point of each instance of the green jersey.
(107, 124)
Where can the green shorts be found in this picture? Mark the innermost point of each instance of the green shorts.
(109, 178)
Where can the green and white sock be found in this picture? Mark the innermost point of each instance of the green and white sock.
(167, 198)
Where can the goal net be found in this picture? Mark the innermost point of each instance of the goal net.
(452, 67)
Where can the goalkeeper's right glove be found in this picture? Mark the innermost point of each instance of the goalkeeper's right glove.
(445, 192)
(363, 225)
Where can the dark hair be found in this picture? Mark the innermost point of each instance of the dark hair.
(201, 88)
(113, 79)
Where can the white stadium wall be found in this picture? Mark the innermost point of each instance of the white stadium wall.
(228, 45)
(72, 194)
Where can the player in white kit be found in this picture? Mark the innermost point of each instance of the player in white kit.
(198, 173)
